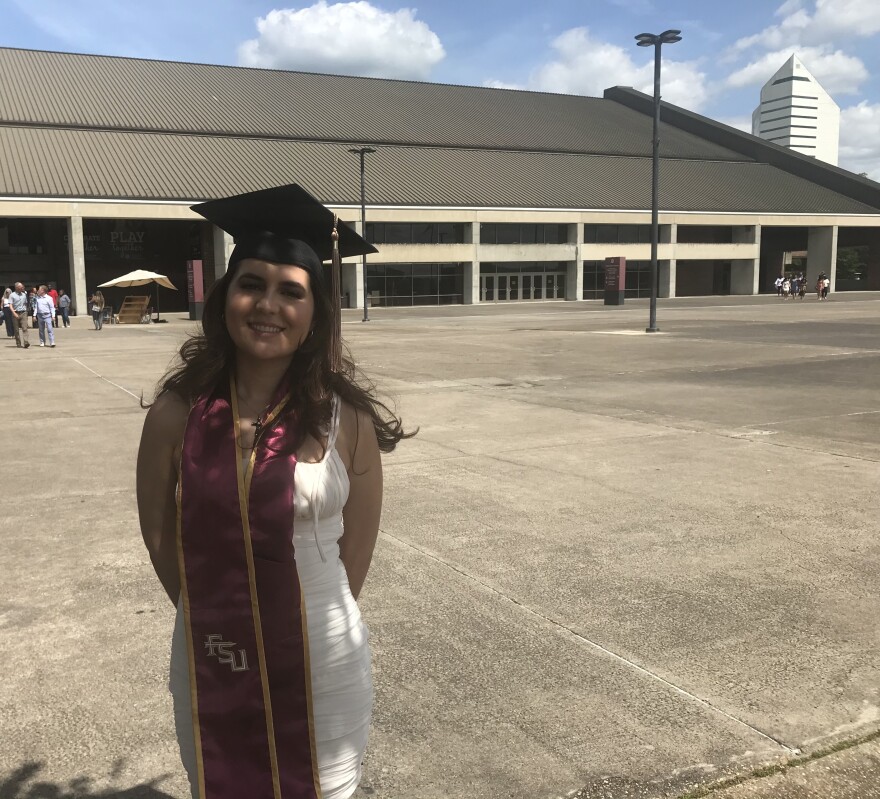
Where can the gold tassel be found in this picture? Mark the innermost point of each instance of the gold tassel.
(335, 298)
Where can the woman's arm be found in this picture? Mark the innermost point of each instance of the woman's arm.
(157, 487)
(364, 507)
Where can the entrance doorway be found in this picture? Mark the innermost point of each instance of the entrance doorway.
(516, 286)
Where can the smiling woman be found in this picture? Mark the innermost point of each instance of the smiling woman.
(260, 491)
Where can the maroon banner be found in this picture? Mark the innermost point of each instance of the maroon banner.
(247, 638)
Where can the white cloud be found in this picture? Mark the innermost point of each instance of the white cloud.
(860, 139)
(345, 38)
(828, 19)
(838, 72)
(586, 65)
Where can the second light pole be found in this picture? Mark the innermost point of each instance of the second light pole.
(362, 152)
(657, 41)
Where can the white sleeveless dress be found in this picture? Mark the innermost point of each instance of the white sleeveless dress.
(342, 688)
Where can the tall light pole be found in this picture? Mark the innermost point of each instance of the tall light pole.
(657, 41)
(362, 152)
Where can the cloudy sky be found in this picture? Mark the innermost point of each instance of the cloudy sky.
(574, 46)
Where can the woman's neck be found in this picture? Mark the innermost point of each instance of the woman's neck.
(256, 381)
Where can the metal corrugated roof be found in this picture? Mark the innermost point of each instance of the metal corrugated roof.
(64, 89)
(47, 162)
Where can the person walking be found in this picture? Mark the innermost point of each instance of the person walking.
(44, 313)
(8, 318)
(52, 292)
(778, 285)
(265, 401)
(64, 307)
(97, 305)
(826, 287)
(19, 305)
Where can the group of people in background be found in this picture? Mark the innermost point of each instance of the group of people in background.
(47, 306)
(796, 286)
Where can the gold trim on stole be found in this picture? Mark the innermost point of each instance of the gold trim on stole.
(313, 744)
(184, 593)
(244, 483)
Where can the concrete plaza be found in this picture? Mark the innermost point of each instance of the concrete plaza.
(611, 563)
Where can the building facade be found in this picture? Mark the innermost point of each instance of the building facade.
(796, 112)
(473, 194)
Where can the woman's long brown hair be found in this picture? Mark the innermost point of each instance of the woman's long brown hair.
(206, 358)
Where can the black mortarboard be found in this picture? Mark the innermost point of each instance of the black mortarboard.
(271, 224)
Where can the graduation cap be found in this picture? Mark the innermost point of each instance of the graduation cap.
(273, 224)
(287, 225)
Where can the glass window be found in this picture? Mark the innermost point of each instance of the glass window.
(555, 234)
(606, 234)
(529, 234)
(488, 233)
(590, 234)
(629, 234)
(398, 233)
(423, 233)
(375, 232)
(450, 233)
(508, 234)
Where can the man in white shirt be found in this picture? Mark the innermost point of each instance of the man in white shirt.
(44, 312)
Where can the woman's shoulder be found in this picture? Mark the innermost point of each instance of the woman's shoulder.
(167, 416)
(356, 432)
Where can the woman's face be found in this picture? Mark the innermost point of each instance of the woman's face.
(269, 308)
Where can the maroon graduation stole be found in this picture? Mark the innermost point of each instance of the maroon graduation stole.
(245, 619)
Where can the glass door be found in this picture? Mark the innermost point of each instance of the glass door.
(501, 295)
(488, 288)
(514, 283)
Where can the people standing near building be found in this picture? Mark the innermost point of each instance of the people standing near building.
(64, 307)
(786, 288)
(779, 286)
(826, 287)
(96, 302)
(8, 318)
(19, 305)
(44, 313)
(802, 286)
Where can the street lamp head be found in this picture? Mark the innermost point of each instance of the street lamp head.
(651, 39)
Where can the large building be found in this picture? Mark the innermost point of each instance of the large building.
(796, 112)
(473, 194)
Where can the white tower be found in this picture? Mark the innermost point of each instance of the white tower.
(797, 112)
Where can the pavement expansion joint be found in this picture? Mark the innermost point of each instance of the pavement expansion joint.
(106, 380)
(564, 628)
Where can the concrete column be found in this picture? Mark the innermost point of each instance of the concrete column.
(745, 273)
(76, 259)
(472, 270)
(574, 273)
(666, 271)
(223, 246)
(353, 282)
(821, 254)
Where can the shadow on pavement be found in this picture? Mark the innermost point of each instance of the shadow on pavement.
(23, 783)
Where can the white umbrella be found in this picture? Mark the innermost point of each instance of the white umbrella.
(140, 277)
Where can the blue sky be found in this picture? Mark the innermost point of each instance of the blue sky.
(728, 50)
